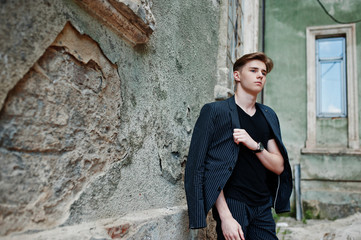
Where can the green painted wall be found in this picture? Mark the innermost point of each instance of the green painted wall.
(286, 92)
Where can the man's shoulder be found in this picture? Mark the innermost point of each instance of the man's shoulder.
(218, 103)
(218, 106)
(266, 108)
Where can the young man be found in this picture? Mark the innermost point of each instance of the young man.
(237, 162)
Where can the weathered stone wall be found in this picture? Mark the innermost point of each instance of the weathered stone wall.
(59, 128)
(92, 128)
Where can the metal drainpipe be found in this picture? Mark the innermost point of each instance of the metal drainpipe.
(297, 169)
(263, 32)
(263, 22)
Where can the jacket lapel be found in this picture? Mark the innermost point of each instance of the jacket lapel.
(273, 122)
(269, 119)
(233, 113)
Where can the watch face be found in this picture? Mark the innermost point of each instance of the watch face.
(261, 148)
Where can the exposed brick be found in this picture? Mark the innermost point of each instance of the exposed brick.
(119, 231)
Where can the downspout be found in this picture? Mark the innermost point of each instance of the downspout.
(262, 38)
(263, 23)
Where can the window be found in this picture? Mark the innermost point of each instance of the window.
(332, 92)
(331, 77)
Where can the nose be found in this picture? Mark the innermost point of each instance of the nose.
(260, 75)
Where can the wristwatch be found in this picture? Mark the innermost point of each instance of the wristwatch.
(260, 148)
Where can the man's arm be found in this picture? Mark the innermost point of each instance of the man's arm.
(271, 157)
(230, 227)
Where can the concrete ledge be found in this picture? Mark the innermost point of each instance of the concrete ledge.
(331, 151)
(164, 223)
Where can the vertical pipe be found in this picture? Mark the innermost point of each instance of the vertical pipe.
(263, 24)
(297, 169)
(263, 30)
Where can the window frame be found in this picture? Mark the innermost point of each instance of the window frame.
(312, 33)
(343, 83)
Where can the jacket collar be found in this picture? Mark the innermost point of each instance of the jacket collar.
(233, 112)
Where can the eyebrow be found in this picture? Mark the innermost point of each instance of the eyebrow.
(256, 68)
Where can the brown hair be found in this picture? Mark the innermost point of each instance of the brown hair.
(253, 56)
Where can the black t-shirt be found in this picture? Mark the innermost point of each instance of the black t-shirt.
(248, 182)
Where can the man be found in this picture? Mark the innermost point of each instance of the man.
(237, 163)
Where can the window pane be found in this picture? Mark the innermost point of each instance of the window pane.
(330, 48)
(331, 77)
(331, 87)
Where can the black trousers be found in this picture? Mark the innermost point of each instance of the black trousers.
(257, 222)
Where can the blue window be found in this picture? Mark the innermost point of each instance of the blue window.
(331, 77)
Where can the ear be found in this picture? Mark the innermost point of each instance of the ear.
(237, 76)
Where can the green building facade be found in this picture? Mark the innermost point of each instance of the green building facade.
(314, 88)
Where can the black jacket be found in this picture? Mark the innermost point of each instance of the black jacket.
(213, 155)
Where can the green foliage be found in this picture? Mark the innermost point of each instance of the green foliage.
(276, 218)
(285, 232)
(308, 214)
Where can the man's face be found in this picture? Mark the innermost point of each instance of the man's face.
(252, 76)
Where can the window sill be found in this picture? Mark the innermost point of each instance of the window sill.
(332, 151)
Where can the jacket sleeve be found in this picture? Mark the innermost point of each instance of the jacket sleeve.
(286, 185)
(194, 172)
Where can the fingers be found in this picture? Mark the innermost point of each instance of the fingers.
(239, 132)
(238, 135)
(236, 235)
(241, 136)
(234, 238)
(241, 233)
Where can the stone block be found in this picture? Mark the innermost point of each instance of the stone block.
(154, 224)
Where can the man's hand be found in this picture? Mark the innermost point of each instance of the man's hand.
(232, 230)
(241, 136)
(271, 158)
(230, 227)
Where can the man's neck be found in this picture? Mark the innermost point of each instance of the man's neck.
(245, 100)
